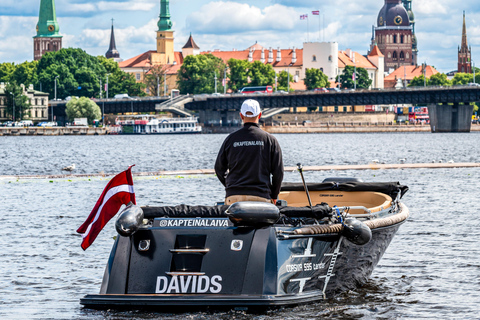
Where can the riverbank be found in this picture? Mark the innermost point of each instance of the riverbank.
(295, 127)
(51, 131)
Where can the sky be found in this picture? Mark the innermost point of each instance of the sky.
(226, 25)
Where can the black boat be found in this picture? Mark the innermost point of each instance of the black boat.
(309, 246)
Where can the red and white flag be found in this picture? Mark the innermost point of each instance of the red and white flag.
(117, 192)
(304, 16)
(316, 13)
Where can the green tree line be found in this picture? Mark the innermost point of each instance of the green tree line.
(75, 72)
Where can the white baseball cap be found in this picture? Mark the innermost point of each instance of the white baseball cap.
(252, 106)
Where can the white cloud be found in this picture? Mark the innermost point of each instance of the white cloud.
(233, 17)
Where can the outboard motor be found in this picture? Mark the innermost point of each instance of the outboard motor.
(253, 214)
(129, 220)
(356, 231)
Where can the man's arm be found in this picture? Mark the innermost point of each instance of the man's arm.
(277, 170)
(221, 164)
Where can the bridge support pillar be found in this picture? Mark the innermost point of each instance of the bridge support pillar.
(450, 118)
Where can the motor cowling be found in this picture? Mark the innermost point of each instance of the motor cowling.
(129, 220)
(356, 231)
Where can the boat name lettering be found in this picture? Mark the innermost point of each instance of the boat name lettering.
(307, 266)
(247, 143)
(193, 223)
(188, 284)
(318, 266)
(331, 195)
(297, 267)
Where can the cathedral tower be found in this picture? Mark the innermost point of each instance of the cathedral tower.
(394, 35)
(464, 52)
(408, 6)
(48, 37)
(165, 50)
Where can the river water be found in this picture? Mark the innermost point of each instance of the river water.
(431, 269)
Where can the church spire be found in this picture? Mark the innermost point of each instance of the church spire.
(47, 25)
(464, 33)
(112, 50)
(464, 52)
(48, 37)
(164, 24)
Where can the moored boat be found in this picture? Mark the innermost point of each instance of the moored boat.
(149, 124)
(309, 246)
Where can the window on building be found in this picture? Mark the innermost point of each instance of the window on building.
(36, 101)
(389, 55)
(402, 56)
(330, 58)
(297, 73)
(314, 58)
(138, 76)
(321, 69)
(395, 38)
(43, 102)
(402, 38)
(407, 56)
(394, 55)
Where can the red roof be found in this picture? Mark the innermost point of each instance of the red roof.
(360, 61)
(407, 72)
(286, 60)
(376, 52)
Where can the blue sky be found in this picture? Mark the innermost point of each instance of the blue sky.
(236, 24)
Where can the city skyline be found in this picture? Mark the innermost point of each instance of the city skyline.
(226, 25)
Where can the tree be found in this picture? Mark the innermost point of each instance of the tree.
(25, 73)
(418, 82)
(197, 74)
(346, 78)
(261, 74)
(120, 81)
(6, 71)
(315, 78)
(154, 80)
(16, 102)
(462, 78)
(439, 79)
(83, 108)
(283, 80)
(238, 76)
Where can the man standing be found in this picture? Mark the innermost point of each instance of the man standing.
(249, 163)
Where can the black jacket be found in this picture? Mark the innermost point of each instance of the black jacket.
(253, 159)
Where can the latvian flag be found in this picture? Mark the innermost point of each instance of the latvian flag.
(118, 191)
(316, 13)
(303, 16)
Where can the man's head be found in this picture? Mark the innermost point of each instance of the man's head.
(250, 111)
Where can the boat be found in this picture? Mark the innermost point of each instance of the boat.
(151, 124)
(318, 240)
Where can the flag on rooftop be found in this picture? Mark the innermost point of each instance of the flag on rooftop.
(304, 16)
(316, 13)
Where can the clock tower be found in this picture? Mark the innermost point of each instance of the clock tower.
(165, 50)
(48, 37)
(394, 35)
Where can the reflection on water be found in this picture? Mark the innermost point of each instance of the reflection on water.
(433, 263)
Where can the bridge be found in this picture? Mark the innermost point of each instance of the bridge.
(226, 107)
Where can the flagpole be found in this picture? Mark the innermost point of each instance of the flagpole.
(308, 31)
(319, 25)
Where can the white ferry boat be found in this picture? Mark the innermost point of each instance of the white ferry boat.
(151, 124)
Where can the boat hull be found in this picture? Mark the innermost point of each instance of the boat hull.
(267, 271)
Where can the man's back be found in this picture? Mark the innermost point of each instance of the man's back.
(252, 157)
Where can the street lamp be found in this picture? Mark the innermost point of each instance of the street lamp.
(13, 100)
(55, 94)
(473, 71)
(225, 81)
(215, 81)
(158, 85)
(107, 85)
(288, 78)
